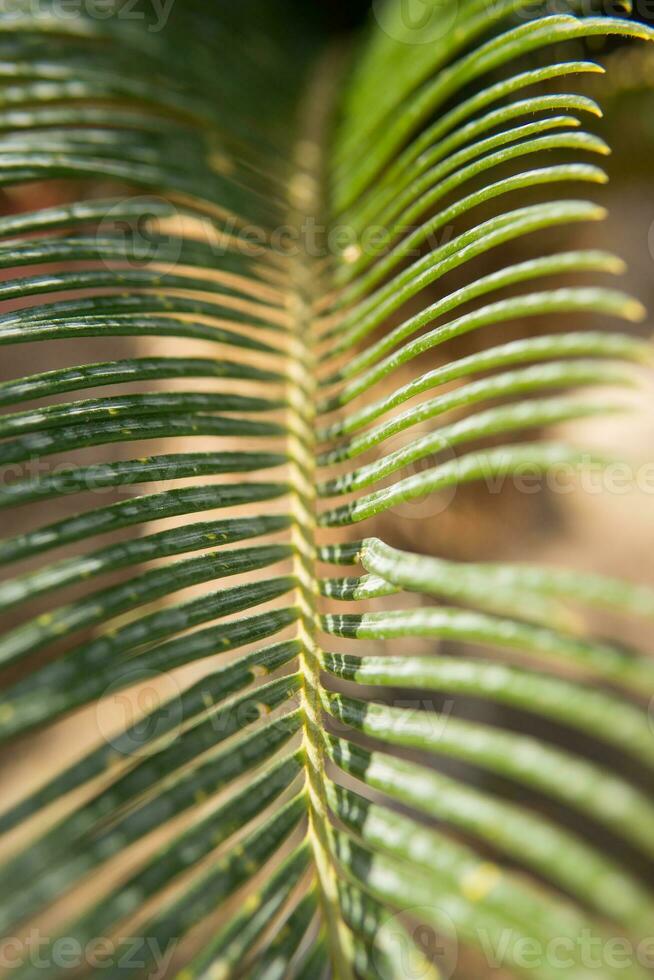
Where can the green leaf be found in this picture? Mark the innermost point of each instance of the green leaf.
(610, 662)
(555, 854)
(569, 704)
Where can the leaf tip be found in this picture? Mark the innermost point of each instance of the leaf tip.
(635, 311)
(615, 265)
(598, 213)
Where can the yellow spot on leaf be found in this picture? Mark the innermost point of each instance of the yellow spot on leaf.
(351, 254)
(220, 164)
(480, 882)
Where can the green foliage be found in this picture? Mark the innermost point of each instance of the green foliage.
(303, 804)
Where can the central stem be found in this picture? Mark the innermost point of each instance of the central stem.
(306, 207)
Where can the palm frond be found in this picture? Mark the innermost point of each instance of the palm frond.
(294, 803)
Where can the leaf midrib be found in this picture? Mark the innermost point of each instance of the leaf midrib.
(306, 288)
